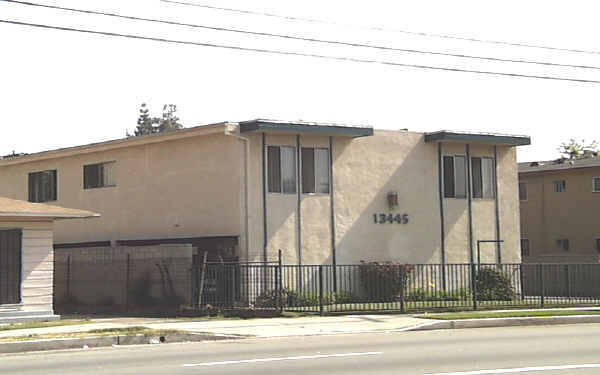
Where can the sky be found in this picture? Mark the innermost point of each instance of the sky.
(60, 89)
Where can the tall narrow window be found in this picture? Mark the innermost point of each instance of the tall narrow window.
(99, 175)
(525, 247)
(281, 165)
(42, 186)
(322, 170)
(315, 170)
(596, 184)
(482, 173)
(522, 191)
(455, 176)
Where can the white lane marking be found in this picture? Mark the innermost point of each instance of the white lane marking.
(318, 356)
(521, 369)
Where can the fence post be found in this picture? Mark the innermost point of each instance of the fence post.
(321, 290)
(474, 286)
(403, 279)
(279, 281)
(127, 275)
(542, 288)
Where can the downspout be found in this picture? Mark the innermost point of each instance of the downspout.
(470, 204)
(233, 131)
(497, 206)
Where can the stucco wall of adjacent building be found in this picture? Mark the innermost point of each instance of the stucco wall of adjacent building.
(189, 187)
(547, 216)
(37, 258)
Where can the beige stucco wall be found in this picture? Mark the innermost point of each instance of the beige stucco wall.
(189, 187)
(547, 216)
(37, 264)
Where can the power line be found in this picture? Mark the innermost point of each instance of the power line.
(378, 28)
(290, 53)
(291, 37)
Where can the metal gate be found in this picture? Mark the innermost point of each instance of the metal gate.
(10, 266)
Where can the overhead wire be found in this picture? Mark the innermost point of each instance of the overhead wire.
(305, 39)
(291, 53)
(378, 28)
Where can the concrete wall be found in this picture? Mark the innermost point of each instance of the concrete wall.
(187, 187)
(101, 276)
(547, 216)
(37, 264)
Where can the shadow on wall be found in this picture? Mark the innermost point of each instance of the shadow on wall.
(365, 173)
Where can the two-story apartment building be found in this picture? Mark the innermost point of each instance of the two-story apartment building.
(322, 193)
(559, 202)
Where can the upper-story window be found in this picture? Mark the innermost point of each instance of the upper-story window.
(42, 186)
(455, 177)
(99, 175)
(522, 191)
(560, 186)
(315, 170)
(482, 173)
(281, 169)
(563, 244)
(596, 184)
(525, 250)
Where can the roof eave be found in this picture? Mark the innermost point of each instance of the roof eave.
(494, 139)
(314, 129)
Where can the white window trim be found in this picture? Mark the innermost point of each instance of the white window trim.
(594, 185)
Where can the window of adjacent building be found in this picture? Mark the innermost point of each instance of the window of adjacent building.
(560, 186)
(524, 247)
(522, 191)
(455, 177)
(315, 170)
(563, 244)
(482, 170)
(99, 175)
(598, 244)
(281, 167)
(42, 186)
(596, 184)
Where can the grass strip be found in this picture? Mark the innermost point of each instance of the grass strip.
(507, 314)
(55, 323)
(138, 330)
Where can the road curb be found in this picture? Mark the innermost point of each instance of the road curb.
(507, 322)
(103, 341)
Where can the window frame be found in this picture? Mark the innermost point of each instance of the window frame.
(594, 178)
(561, 242)
(85, 187)
(315, 176)
(54, 174)
(481, 180)
(454, 178)
(281, 174)
(563, 185)
(598, 244)
(528, 247)
(526, 191)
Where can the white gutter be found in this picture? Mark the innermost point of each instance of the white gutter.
(233, 131)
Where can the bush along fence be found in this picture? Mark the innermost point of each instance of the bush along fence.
(172, 285)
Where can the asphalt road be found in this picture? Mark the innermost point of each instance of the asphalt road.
(572, 349)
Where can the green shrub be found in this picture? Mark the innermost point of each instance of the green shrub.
(290, 298)
(493, 285)
(384, 281)
(420, 294)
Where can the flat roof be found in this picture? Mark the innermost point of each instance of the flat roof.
(13, 208)
(470, 137)
(264, 125)
(559, 164)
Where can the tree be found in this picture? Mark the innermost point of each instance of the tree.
(574, 149)
(150, 125)
(169, 120)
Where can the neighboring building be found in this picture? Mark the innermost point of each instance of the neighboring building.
(26, 258)
(560, 201)
(321, 193)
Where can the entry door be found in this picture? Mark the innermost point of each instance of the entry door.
(10, 266)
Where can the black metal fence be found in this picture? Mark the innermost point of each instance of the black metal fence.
(163, 286)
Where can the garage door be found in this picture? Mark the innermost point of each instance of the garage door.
(10, 266)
